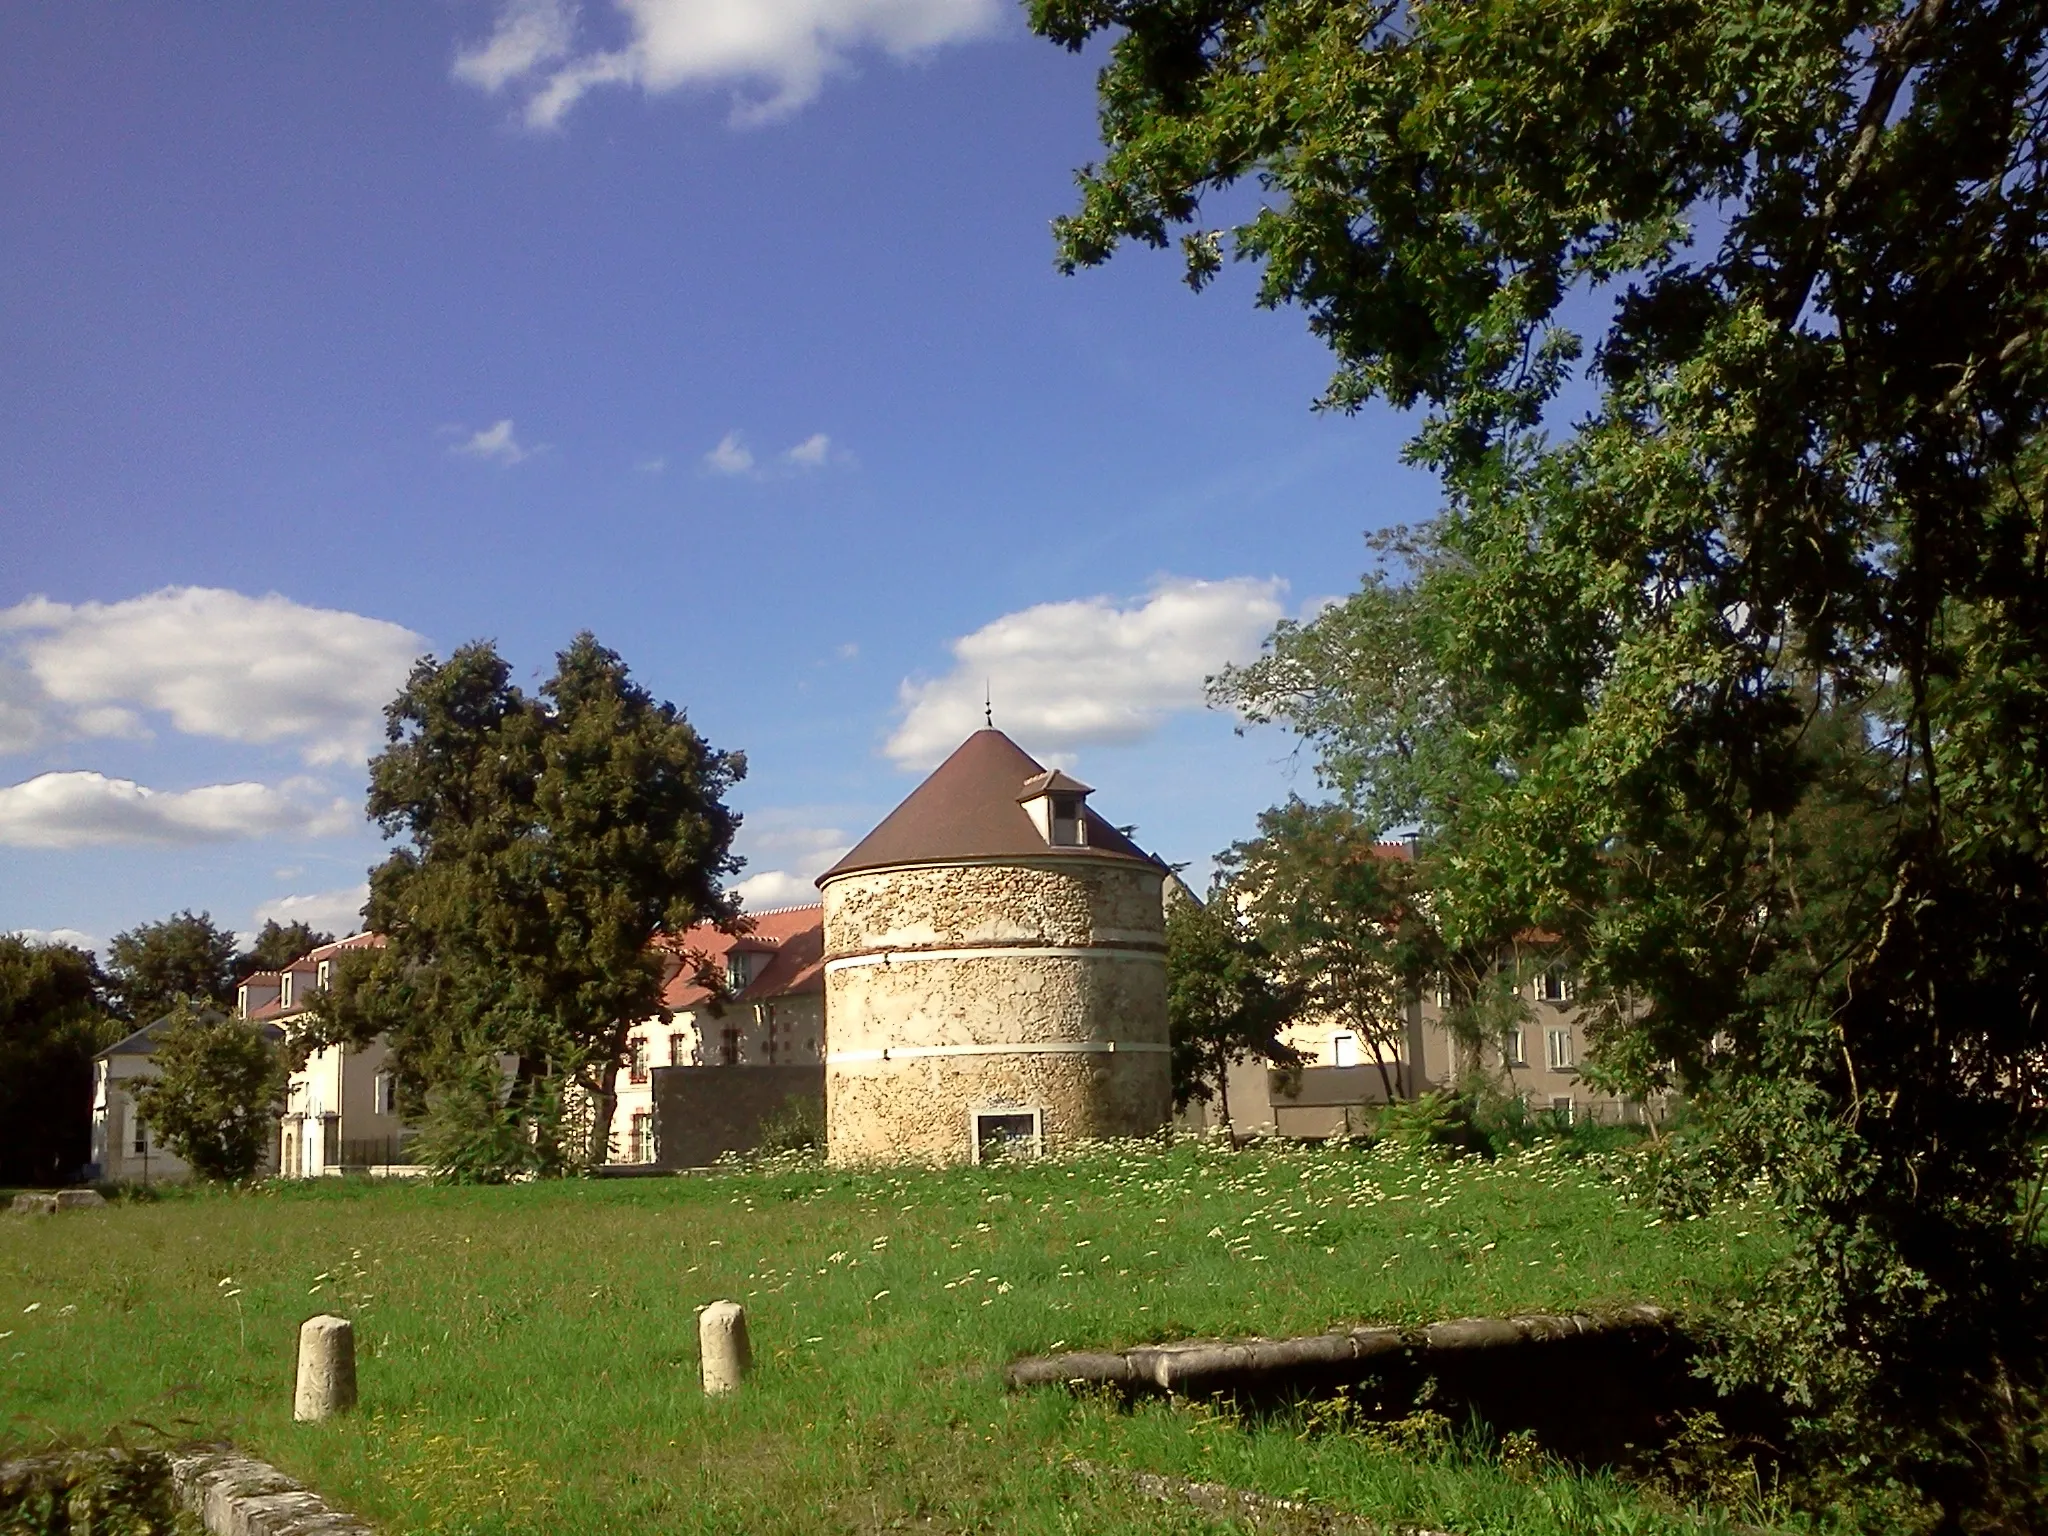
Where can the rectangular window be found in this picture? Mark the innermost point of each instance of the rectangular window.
(1511, 1049)
(1552, 987)
(384, 1096)
(636, 1068)
(729, 1046)
(675, 1049)
(1344, 1050)
(736, 977)
(1069, 826)
(1557, 1047)
(141, 1144)
(324, 973)
(284, 991)
(1561, 1106)
(640, 1138)
(1002, 1133)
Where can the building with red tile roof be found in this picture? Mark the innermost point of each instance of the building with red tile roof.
(735, 1000)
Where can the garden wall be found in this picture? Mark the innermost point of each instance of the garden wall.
(700, 1112)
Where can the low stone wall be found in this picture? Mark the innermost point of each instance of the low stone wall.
(224, 1492)
(701, 1112)
(1594, 1388)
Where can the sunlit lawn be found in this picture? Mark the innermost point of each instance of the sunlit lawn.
(528, 1354)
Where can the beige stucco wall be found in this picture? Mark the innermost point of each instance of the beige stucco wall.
(954, 955)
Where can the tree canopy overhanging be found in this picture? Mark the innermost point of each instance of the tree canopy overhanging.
(1739, 680)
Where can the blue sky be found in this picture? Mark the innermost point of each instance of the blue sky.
(727, 329)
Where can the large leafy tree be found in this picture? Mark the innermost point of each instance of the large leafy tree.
(277, 945)
(152, 965)
(549, 840)
(1344, 918)
(1784, 577)
(1224, 1001)
(53, 1017)
(217, 1092)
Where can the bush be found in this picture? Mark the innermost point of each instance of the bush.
(798, 1125)
(91, 1493)
(475, 1132)
(215, 1099)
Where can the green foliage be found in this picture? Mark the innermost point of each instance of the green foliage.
(548, 840)
(278, 945)
(1759, 647)
(1223, 1003)
(797, 1126)
(217, 1093)
(152, 965)
(52, 1019)
(1345, 919)
(115, 1492)
(471, 1131)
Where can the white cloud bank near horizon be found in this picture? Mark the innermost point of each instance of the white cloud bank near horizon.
(337, 912)
(82, 809)
(779, 52)
(69, 936)
(800, 850)
(1090, 671)
(261, 671)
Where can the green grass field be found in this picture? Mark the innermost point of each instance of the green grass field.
(528, 1354)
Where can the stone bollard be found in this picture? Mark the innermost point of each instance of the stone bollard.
(722, 1345)
(327, 1368)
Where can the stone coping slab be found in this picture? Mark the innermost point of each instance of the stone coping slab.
(237, 1495)
(1189, 1367)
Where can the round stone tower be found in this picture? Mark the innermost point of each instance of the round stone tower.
(995, 971)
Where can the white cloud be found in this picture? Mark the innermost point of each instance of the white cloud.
(248, 669)
(730, 457)
(791, 840)
(811, 452)
(69, 936)
(83, 809)
(337, 912)
(652, 465)
(24, 711)
(495, 442)
(779, 51)
(530, 35)
(1065, 675)
(775, 888)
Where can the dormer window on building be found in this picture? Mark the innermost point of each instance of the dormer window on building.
(1058, 806)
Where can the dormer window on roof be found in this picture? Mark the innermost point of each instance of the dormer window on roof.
(1058, 806)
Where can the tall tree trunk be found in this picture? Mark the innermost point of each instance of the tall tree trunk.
(604, 1103)
(1373, 1036)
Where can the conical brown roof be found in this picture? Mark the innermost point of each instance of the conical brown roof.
(968, 809)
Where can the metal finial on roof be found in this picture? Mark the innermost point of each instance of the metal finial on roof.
(988, 705)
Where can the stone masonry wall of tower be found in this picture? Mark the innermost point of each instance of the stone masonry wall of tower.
(957, 955)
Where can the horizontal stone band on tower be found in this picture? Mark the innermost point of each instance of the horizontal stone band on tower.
(1001, 951)
(1016, 1048)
